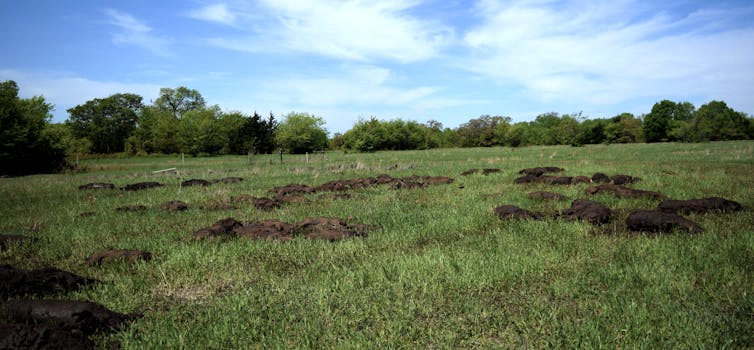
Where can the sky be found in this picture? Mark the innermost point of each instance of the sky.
(443, 60)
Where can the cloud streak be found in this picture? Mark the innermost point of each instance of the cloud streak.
(218, 13)
(135, 32)
(607, 52)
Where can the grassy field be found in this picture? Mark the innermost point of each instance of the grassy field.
(439, 271)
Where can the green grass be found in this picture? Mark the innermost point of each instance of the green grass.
(441, 271)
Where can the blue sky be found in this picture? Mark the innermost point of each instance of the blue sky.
(443, 60)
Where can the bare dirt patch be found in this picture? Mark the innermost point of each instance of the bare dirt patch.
(658, 221)
(505, 212)
(622, 192)
(76, 316)
(19, 282)
(195, 182)
(700, 206)
(230, 180)
(97, 186)
(594, 212)
(142, 186)
(219, 230)
(174, 206)
(539, 171)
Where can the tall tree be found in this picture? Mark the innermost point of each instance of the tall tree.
(180, 100)
(26, 146)
(301, 132)
(715, 121)
(106, 122)
(664, 117)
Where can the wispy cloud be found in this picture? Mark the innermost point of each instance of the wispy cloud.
(218, 13)
(135, 32)
(608, 52)
(348, 30)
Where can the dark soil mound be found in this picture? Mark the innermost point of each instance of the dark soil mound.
(6, 240)
(594, 212)
(623, 179)
(291, 199)
(547, 196)
(266, 204)
(18, 282)
(83, 316)
(600, 178)
(469, 172)
(293, 189)
(658, 221)
(580, 180)
(703, 205)
(97, 186)
(131, 208)
(230, 180)
(622, 192)
(490, 171)
(142, 186)
(174, 206)
(220, 229)
(514, 212)
(330, 229)
(540, 170)
(87, 214)
(111, 255)
(528, 178)
(195, 182)
(269, 230)
(399, 184)
(22, 336)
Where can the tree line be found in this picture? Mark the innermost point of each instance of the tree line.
(180, 121)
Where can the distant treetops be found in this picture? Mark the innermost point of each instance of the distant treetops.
(180, 121)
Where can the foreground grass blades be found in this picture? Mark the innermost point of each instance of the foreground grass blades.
(438, 269)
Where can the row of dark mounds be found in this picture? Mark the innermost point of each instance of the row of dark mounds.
(51, 324)
(151, 184)
(665, 218)
(330, 229)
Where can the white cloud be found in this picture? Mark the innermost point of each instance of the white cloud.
(605, 53)
(349, 30)
(66, 90)
(135, 32)
(215, 13)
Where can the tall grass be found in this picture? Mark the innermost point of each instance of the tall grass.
(439, 271)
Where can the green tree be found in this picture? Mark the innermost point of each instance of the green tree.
(664, 117)
(301, 132)
(543, 130)
(623, 128)
(106, 122)
(484, 131)
(179, 100)
(715, 121)
(199, 131)
(26, 146)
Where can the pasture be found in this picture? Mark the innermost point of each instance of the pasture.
(434, 267)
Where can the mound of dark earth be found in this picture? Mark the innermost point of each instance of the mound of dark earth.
(142, 186)
(6, 240)
(174, 206)
(230, 180)
(97, 186)
(266, 204)
(41, 336)
(552, 180)
(700, 206)
(195, 182)
(292, 189)
(268, 230)
(538, 171)
(18, 282)
(600, 178)
(131, 208)
(594, 212)
(547, 196)
(219, 230)
(623, 179)
(484, 171)
(622, 192)
(513, 212)
(81, 316)
(469, 172)
(112, 255)
(659, 221)
(87, 214)
(243, 198)
(330, 229)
